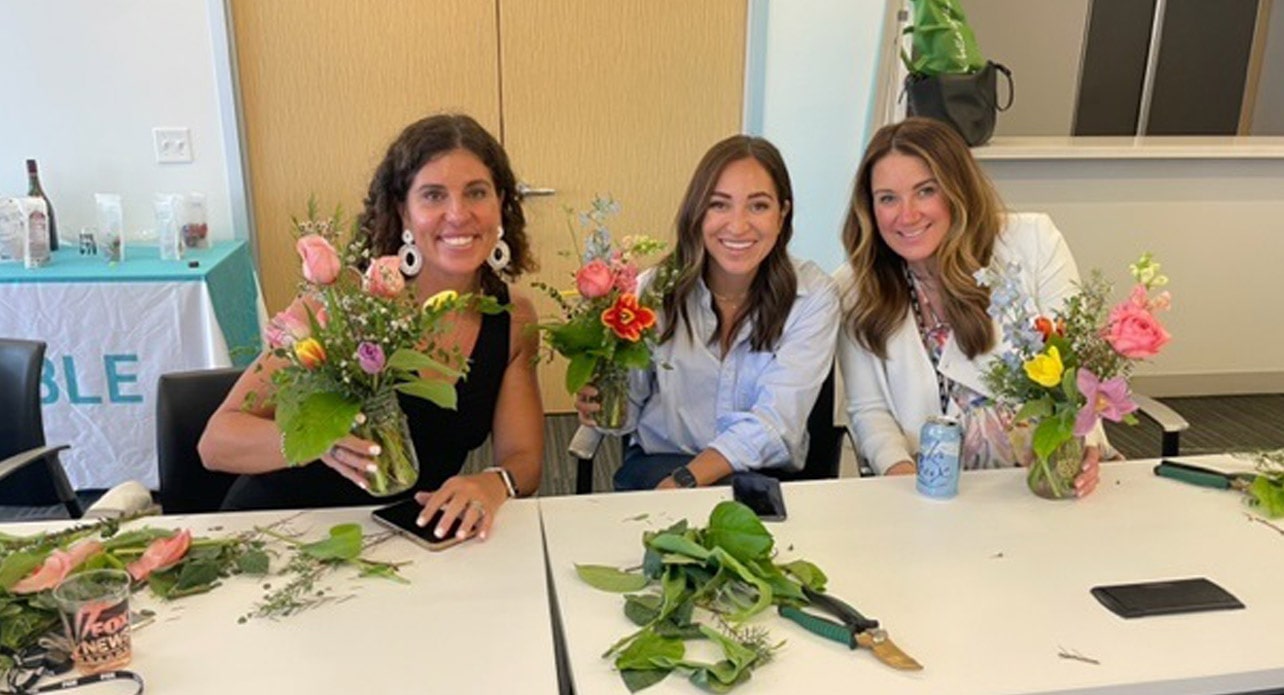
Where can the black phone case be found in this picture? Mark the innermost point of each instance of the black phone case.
(401, 516)
(1165, 597)
(761, 493)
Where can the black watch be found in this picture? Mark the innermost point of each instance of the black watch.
(682, 477)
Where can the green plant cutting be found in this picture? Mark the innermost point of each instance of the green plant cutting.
(170, 564)
(702, 584)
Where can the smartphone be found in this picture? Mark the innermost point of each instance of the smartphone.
(1165, 597)
(761, 493)
(401, 516)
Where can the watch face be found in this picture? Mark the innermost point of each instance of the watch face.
(682, 476)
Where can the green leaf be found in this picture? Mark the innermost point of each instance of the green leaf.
(253, 561)
(320, 420)
(673, 543)
(344, 543)
(809, 574)
(440, 392)
(606, 578)
(195, 577)
(408, 360)
(636, 680)
(642, 609)
(647, 649)
(1070, 385)
(1034, 410)
(633, 355)
(1048, 435)
(579, 371)
(737, 530)
(18, 565)
(1269, 495)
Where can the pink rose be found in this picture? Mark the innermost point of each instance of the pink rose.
(1134, 333)
(56, 567)
(594, 279)
(383, 277)
(320, 260)
(161, 554)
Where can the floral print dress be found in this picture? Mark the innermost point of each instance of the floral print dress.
(987, 427)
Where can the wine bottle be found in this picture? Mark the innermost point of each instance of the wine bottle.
(35, 190)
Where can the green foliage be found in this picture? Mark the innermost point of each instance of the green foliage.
(606, 578)
(344, 543)
(724, 570)
(319, 420)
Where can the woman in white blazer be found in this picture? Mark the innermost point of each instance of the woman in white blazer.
(917, 336)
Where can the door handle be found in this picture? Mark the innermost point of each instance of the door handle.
(527, 191)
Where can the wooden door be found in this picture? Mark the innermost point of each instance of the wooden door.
(325, 87)
(614, 98)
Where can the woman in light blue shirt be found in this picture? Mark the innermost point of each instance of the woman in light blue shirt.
(747, 333)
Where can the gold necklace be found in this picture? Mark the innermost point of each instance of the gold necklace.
(733, 300)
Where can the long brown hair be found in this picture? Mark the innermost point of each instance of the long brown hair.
(879, 296)
(775, 284)
(421, 142)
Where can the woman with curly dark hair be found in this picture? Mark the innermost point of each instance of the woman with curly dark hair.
(444, 200)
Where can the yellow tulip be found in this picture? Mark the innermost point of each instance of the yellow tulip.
(440, 300)
(1045, 369)
(310, 353)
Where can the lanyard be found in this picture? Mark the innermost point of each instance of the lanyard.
(81, 681)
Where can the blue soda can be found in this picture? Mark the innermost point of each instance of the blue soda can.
(938, 457)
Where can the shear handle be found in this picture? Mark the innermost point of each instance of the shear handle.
(850, 617)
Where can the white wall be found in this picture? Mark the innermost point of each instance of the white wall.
(87, 81)
(1217, 226)
(818, 67)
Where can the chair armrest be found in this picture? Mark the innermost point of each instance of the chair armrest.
(1169, 420)
(17, 462)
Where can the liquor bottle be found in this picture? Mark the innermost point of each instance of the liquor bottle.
(35, 190)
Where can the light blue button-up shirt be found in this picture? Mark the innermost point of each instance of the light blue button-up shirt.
(751, 407)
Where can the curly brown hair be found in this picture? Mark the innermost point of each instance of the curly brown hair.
(421, 142)
(774, 286)
(878, 299)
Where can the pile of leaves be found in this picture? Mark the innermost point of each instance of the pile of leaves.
(1267, 489)
(170, 564)
(725, 571)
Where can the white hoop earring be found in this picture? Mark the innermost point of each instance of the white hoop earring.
(501, 254)
(411, 260)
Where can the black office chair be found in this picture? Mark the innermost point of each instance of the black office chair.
(30, 473)
(824, 452)
(184, 403)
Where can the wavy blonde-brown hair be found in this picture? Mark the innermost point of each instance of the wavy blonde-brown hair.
(879, 296)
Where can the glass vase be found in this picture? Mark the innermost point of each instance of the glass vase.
(1054, 478)
(612, 384)
(397, 465)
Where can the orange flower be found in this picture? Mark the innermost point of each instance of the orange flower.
(309, 352)
(627, 318)
(1045, 326)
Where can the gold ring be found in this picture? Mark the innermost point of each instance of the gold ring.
(474, 504)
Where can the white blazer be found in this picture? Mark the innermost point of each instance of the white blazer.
(889, 400)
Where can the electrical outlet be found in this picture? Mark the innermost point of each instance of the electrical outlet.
(173, 145)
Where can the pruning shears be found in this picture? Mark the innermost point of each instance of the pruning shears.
(1204, 477)
(851, 629)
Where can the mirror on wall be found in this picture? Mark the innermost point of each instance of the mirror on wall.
(1137, 67)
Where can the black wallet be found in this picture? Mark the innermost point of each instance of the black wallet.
(1165, 597)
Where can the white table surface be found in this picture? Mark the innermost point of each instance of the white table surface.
(473, 619)
(984, 589)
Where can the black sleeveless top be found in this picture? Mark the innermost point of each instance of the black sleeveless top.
(442, 437)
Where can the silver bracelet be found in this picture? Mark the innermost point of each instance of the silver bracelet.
(505, 475)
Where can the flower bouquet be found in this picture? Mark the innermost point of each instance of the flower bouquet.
(1063, 373)
(352, 343)
(606, 328)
